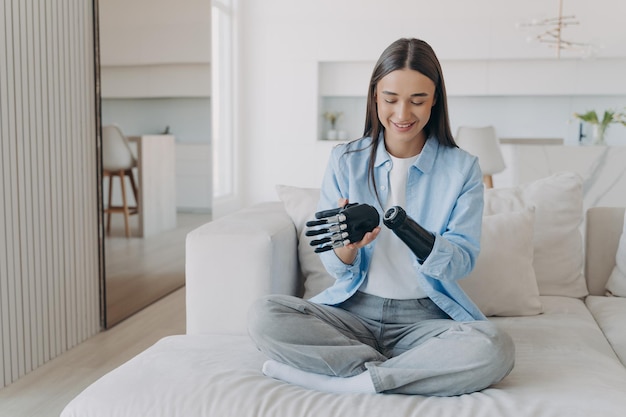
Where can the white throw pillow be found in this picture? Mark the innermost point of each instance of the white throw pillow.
(617, 281)
(301, 205)
(558, 243)
(503, 281)
(513, 292)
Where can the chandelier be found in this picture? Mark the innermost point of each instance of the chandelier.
(553, 34)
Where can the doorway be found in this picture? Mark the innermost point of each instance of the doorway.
(155, 81)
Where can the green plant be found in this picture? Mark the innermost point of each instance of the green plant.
(609, 116)
(332, 117)
(601, 124)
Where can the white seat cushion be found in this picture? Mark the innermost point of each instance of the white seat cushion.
(610, 313)
(564, 367)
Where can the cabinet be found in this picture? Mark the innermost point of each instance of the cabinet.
(157, 186)
(194, 188)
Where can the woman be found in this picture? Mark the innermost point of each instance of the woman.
(392, 323)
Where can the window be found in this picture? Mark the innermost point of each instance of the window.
(223, 72)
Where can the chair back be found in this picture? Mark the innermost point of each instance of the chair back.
(116, 152)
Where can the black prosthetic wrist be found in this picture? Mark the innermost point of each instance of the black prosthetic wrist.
(418, 239)
(343, 225)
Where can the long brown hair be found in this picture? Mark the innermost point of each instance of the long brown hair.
(417, 55)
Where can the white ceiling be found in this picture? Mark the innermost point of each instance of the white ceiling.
(601, 24)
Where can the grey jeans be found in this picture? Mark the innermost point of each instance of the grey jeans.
(408, 346)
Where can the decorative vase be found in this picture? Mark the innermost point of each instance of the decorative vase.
(598, 134)
(331, 134)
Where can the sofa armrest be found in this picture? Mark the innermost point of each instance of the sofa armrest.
(232, 261)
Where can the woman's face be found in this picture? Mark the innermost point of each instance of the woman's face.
(404, 100)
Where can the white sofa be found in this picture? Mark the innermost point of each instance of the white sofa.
(570, 348)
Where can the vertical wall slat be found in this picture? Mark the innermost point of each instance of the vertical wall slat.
(74, 173)
(78, 169)
(58, 179)
(38, 192)
(63, 176)
(5, 347)
(22, 125)
(54, 175)
(49, 250)
(49, 261)
(9, 202)
(18, 194)
(30, 185)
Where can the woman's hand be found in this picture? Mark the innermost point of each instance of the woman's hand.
(348, 253)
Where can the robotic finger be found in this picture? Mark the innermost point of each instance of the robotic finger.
(342, 225)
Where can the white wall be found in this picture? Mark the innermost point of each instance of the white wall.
(147, 32)
(158, 50)
(282, 43)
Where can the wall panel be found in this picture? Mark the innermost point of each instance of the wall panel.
(49, 252)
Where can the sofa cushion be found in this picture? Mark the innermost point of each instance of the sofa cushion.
(558, 243)
(503, 283)
(610, 313)
(564, 367)
(301, 204)
(617, 281)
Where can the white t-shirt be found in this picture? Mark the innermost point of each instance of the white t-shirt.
(391, 273)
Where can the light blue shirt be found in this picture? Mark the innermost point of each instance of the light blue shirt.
(444, 194)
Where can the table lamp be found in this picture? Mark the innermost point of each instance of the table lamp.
(483, 143)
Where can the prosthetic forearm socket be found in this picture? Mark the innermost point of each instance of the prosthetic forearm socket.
(418, 239)
(342, 226)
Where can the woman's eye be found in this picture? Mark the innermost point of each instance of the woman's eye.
(417, 104)
(389, 101)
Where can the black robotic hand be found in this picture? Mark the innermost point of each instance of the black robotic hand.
(418, 239)
(342, 225)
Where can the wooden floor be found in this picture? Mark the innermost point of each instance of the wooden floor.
(140, 271)
(45, 391)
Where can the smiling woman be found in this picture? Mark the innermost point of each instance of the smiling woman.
(395, 320)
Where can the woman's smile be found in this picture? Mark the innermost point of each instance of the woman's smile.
(403, 126)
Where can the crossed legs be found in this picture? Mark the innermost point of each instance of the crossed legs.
(371, 344)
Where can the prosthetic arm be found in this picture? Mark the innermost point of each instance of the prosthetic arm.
(418, 239)
(342, 225)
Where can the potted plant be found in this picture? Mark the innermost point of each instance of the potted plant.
(601, 124)
(332, 118)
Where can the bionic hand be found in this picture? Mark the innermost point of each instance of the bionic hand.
(418, 239)
(342, 225)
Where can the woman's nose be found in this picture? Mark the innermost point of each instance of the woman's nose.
(403, 111)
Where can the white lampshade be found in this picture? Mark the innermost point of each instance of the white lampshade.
(483, 143)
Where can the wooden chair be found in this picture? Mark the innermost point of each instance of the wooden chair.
(118, 160)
